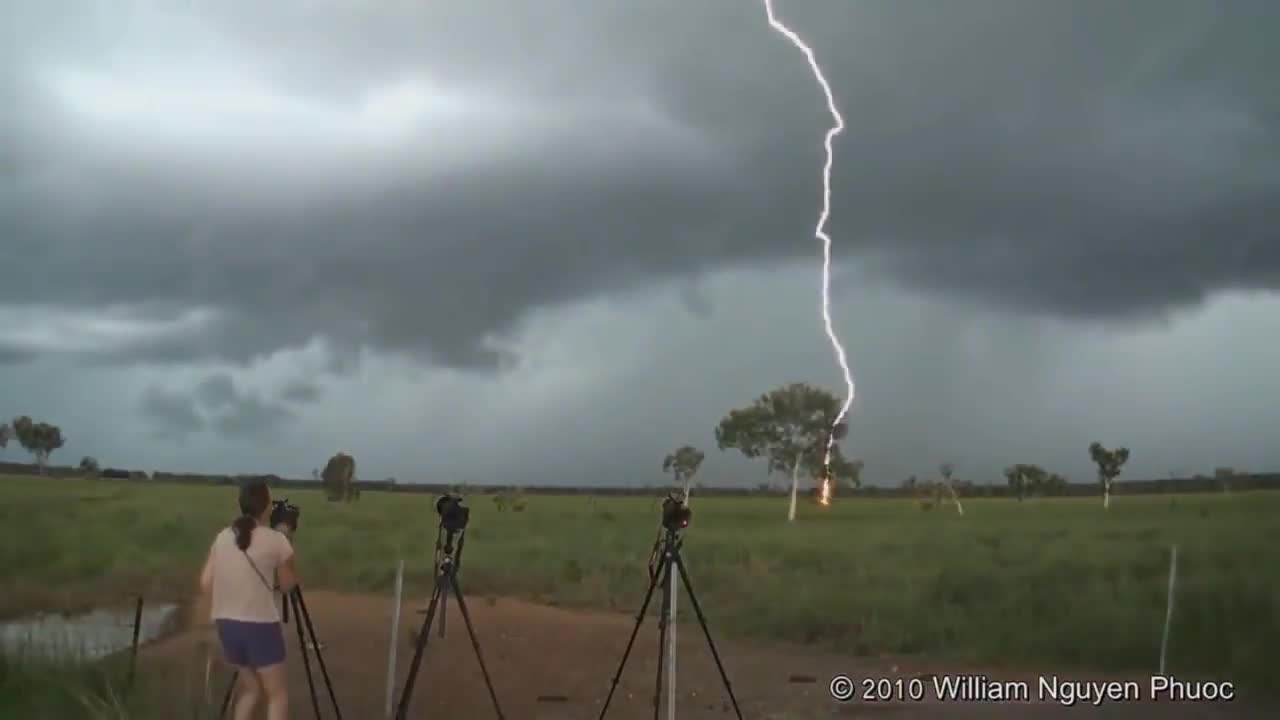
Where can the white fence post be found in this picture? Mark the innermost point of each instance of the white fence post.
(1168, 613)
(671, 627)
(395, 632)
(671, 645)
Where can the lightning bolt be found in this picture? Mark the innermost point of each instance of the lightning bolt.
(821, 234)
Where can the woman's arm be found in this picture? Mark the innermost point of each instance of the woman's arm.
(206, 575)
(286, 575)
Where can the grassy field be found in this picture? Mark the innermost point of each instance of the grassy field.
(1058, 583)
(33, 688)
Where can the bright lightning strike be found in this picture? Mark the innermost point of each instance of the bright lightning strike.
(821, 234)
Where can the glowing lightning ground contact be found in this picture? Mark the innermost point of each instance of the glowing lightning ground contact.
(821, 234)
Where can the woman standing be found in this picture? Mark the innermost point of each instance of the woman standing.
(248, 564)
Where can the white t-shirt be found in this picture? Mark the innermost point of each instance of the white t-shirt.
(239, 593)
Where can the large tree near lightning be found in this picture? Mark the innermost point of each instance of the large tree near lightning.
(789, 427)
(683, 464)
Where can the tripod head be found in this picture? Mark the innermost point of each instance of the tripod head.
(454, 516)
(676, 514)
(285, 513)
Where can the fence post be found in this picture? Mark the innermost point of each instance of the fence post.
(133, 652)
(395, 632)
(671, 626)
(1168, 613)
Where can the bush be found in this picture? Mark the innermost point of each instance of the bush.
(510, 498)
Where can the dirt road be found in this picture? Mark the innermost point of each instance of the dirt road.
(555, 664)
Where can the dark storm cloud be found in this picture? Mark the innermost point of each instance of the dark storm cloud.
(10, 355)
(217, 403)
(252, 415)
(170, 413)
(1088, 158)
(301, 392)
(216, 391)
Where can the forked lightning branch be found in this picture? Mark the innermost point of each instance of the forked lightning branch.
(1046, 688)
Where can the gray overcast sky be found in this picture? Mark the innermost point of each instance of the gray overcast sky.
(533, 241)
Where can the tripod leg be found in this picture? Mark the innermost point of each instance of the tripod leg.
(662, 639)
(226, 699)
(702, 620)
(423, 634)
(644, 607)
(475, 643)
(302, 612)
(444, 607)
(306, 660)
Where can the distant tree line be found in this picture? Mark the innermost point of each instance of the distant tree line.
(964, 489)
(792, 427)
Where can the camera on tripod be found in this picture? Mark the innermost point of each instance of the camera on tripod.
(284, 513)
(453, 514)
(448, 560)
(665, 567)
(675, 513)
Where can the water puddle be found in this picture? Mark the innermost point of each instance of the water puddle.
(87, 637)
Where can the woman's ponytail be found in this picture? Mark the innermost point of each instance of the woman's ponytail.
(243, 528)
(254, 499)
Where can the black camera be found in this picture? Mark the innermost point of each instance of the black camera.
(283, 513)
(453, 514)
(675, 514)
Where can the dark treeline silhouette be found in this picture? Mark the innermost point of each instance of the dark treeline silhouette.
(1218, 483)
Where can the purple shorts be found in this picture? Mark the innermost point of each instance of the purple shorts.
(251, 644)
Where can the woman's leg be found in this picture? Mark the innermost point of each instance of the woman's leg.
(276, 685)
(247, 697)
(268, 655)
(234, 636)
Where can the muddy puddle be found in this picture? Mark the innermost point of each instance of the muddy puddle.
(85, 637)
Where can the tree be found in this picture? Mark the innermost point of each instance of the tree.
(89, 465)
(339, 477)
(1036, 478)
(947, 470)
(789, 426)
(1027, 479)
(1109, 463)
(5, 434)
(845, 470)
(1056, 484)
(1017, 481)
(683, 464)
(1224, 476)
(38, 438)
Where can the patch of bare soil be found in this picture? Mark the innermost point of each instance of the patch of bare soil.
(554, 664)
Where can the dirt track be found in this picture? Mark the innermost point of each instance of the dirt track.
(539, 652)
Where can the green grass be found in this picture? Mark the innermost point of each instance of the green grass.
(34, 687)
(1057, 583)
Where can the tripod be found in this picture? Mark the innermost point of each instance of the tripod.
(299, 605)
(669, 555)
(446, 581)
